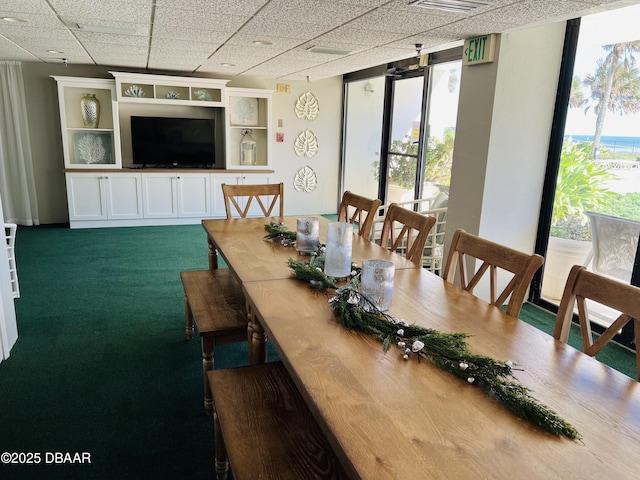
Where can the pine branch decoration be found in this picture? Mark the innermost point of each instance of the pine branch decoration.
(447, 351)
(278, 230)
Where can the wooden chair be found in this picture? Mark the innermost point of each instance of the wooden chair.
(362, 207)
(494, 256)
(412, 235)
(263, 427)
(583, 285)
(257, 192)
(213, 298)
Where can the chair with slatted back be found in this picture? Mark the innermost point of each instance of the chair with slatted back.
(495, 257)
(265, 195)
(583, 285)
(406, 230)
(356, 208)
(213, 298)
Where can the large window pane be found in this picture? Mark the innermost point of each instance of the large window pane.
(600, 160)
(363, 133)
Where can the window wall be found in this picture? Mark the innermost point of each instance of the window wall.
(595, 205)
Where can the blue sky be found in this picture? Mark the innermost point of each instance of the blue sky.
(597, 30)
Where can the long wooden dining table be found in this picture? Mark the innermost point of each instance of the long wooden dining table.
(387, 417)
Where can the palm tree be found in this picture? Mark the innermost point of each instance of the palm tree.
(614, 86)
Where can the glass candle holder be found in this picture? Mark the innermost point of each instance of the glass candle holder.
(307, 235)
(376, 283)
(337, 262)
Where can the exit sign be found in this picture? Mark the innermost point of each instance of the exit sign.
(479, 50)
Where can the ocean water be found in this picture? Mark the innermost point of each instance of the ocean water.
(615, 144)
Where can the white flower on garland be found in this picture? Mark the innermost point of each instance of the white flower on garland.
(417, 346)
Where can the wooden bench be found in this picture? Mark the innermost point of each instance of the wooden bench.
(213, 300)
(264, 428)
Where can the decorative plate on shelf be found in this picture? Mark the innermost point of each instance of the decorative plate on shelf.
(172, 95)
(134, 91)
(202, 95)
(243, 111)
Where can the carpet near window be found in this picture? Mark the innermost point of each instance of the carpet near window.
(101, 364)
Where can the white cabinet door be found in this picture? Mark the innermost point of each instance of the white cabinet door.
(103, 196)
(124, 198)
(236, 179)
(86, 196)
(194, 195)
(160, 195)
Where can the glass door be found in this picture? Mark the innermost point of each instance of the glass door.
(405, 143)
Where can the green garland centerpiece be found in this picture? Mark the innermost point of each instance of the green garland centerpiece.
(277, 230)
(447, 351)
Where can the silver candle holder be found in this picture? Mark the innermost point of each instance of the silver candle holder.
(376, 283)
(308, 235)
(337, 262)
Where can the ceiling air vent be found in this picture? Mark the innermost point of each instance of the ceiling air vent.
(328, 50)
(450, 5)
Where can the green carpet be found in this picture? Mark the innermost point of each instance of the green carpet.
(102, 365)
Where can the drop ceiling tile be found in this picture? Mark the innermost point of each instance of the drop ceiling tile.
(111, 39)
(23, 6)
(531, 11)
(167, 45)
(310, 12)
(283, 28)
(198, 7)
(95, 12)
(279, 43)
(205, 20)
(191, 34)
(359, 37)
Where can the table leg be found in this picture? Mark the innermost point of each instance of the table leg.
(213, 255)
(221, 457)
(207, 365)
(257, 340)
(188, 318)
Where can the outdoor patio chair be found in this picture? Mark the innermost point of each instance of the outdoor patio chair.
(614, 243)
(407, 230)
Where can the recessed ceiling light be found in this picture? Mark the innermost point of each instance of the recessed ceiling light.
(262, 42)
(225, 64)
(459, 6)
(106, 29)
(14, 19)
(328, 50)
(54, 51)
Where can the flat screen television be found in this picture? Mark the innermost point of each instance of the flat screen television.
(173, 142)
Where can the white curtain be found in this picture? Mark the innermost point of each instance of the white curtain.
(17, 183)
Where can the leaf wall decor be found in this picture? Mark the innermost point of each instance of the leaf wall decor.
(305, 180)
(307, 107)
(306, 144)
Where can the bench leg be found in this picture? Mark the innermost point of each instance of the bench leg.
(188, 318)
(207, 364)
(221, 459)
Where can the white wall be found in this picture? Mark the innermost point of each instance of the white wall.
(8, 325)
(504, 124)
